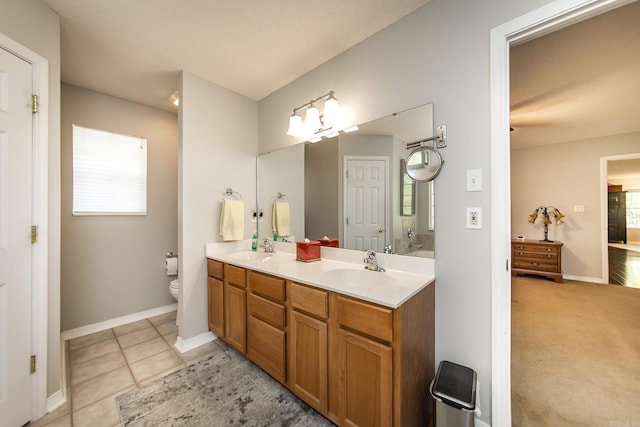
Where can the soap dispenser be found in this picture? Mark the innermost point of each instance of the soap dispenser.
(254, 242)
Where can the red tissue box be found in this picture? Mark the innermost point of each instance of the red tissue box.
(308, 251)
(329, 241)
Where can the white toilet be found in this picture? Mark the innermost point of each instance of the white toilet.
(173, 289)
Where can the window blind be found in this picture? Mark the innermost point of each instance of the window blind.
(109, 173)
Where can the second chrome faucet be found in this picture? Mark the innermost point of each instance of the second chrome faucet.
(371, 262)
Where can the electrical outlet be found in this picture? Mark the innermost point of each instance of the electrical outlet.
(254, 216)
(474, 218)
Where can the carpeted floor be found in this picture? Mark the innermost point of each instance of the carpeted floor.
(224, 390)
(575, 357)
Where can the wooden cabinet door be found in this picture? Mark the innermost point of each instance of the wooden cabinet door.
(267, 348)
(308, 361)
(215, 292)
(235, 317)
(366, 381)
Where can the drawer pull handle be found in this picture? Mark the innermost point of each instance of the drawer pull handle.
(549, 255)
(548, 249)
(520, 253)
(535, 263)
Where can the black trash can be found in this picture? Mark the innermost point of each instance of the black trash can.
(454, 390)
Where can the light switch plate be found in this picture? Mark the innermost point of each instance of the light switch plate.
(474, 180)
(474, 218)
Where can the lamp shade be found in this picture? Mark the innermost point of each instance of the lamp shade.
(312, 122)
(295, 125)
(331, 111)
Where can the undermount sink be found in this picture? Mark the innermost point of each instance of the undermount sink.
(250, 255)
(360, 278)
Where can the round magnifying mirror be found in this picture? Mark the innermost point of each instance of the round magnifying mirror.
(423, 164)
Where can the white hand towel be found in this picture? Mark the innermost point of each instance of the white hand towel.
(232, 220)
(281, 218)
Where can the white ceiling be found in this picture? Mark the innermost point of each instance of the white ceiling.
(135, 49)
(577, 83)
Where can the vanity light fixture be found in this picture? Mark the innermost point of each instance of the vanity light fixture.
(174, 98)
(314, 122)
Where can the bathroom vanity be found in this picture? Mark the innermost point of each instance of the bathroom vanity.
(356, 345)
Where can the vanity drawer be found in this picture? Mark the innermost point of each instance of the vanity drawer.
(235, 275)
(367, 318)
(310, 300)
(269, 311)
(267, 286)
(215, 268)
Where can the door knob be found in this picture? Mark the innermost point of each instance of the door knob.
(380, 230)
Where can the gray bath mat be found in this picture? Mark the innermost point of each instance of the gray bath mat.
(224, 390)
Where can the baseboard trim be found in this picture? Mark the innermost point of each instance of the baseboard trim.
(118, 321)
(189, 344)
(480, 423)
(585, 279)
(55, 401)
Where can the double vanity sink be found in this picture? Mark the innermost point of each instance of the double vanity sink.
(357, 345)
(342, 271)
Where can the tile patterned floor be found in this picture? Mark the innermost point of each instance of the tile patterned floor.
(108, 363)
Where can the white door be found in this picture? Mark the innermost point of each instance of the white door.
(365, 204)
(15, 238)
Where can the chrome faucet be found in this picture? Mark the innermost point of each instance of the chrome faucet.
(267, 246)
(388, 249)
(410, 233)
(371, 262)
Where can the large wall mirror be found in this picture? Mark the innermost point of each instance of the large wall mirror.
(352, 187)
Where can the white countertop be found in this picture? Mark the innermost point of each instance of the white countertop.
(404, 276)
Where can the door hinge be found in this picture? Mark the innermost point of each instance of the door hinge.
(34, 234)
(34, 103)
(347, 220)
(33, 363)
(506, 265)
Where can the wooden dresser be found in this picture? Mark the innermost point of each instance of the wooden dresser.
(535, 257)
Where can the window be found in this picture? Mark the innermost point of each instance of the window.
(633, 209)
(109, 173)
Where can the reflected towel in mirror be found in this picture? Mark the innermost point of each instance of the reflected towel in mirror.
(281, 218)
(232, 220)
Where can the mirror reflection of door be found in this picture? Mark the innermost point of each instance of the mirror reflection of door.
(365, 203)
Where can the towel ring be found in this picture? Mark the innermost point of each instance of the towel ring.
(280, 195)
(230, 192)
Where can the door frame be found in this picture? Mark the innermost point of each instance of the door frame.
(40, 217)
(536, 23)
(387, 203)
(604, 205)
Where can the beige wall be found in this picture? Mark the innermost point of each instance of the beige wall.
(217, 150)
(439, 54)
(565, 175)
(280, 172)
(18, 19)
(113, 265)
